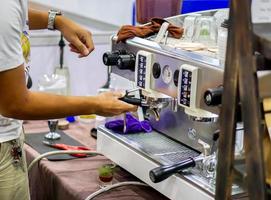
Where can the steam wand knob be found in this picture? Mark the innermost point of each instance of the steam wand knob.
(163, 172)
(213, 96)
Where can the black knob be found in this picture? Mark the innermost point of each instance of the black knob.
(126, 62)
(156, 70)
(161, 173)
(111, 58)
(213, 97)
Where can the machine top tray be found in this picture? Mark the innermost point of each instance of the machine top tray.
(204, 57)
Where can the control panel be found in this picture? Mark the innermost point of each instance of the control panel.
(144, 62)
(187, 86)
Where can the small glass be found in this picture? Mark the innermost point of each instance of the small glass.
(206, 31)
(106, 175)
(209, 168)
(52, 135)
(239, 143)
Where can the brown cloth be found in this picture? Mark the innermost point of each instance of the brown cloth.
(128, 31)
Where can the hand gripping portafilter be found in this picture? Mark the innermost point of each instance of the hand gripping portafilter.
(131, 100)
(163, 172)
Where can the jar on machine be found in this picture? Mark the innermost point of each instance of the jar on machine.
(222, 42)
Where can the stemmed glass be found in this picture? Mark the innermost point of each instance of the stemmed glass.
(52, 135)
(55, 84)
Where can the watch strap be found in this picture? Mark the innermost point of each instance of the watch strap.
(51, 18)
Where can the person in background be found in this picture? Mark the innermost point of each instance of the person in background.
(18, 103)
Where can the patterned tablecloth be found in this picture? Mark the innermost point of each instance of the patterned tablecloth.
(76, 179)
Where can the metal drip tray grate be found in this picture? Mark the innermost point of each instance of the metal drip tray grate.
(179, 156)
(159, 147)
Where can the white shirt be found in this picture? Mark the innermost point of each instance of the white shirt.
(13, 20)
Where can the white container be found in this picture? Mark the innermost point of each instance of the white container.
(54, 83)
(189, 26)
(222, 42)
(64, 72)
(87, 119)
(220, 16)
(206, 31)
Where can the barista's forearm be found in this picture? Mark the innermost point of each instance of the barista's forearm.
(39, 105)
(37, 19)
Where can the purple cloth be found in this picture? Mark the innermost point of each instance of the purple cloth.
(133, 125)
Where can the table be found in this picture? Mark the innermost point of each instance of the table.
(76, 179)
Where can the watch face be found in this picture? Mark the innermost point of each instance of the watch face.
(167, 74)
(57, 12)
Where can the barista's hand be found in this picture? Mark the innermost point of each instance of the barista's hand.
(108, 104)
(80, 39)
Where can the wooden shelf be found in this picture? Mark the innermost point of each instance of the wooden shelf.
(264, 78)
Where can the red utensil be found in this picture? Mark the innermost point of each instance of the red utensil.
(67, 147)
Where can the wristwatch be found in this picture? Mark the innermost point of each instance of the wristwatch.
(51, 18)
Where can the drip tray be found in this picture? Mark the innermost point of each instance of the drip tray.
(160, 149)
(156, 146)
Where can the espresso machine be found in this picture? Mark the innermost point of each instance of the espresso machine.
(180, 93)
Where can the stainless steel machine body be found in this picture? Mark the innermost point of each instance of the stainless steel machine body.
(186, 128)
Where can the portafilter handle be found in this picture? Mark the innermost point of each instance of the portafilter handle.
(131, 100)
(161, 173)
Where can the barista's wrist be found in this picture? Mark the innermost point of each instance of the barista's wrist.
(65, 25)
(59, 22)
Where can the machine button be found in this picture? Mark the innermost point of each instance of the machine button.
(156, 70)
(176, 77)
(186, 74)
